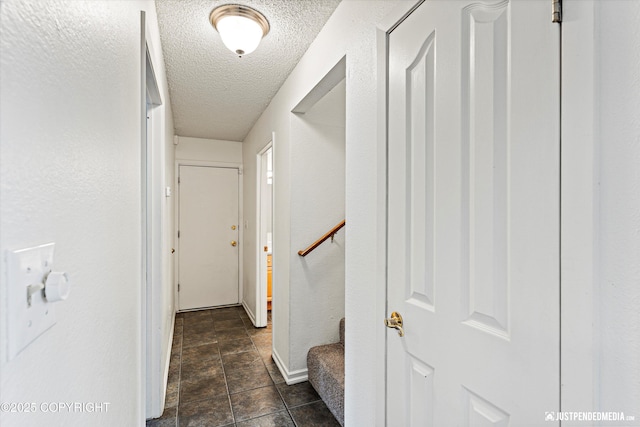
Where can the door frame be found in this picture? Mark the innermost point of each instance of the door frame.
(383, 30)
(154, 372)
(202, 163)
(578, 203)
(261, 270)
(579, 198)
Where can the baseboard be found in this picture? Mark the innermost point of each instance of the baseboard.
(290, 377)
(250, 313)
(166, 365)
(157, 407)
(212, 307)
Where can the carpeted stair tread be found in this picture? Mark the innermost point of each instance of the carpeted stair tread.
(326, 374)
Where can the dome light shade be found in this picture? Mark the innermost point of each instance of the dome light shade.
(241, 27)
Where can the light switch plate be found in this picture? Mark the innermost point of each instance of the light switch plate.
(27, 322)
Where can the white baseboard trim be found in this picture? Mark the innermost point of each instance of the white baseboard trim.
(165, 372)
(211, 307)
(290, 377)
(250, 313)
(169, 348)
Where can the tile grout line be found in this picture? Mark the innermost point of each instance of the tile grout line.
(224, 372)
(286, 407)
(255, 347)
(273, 384)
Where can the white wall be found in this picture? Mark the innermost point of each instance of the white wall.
(70, 172)
(600, 205)
(317, 204)
(350, 31)
(618, 68)
(210, 150)
(168, 286)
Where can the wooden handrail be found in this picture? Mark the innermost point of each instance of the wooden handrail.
(318, 242)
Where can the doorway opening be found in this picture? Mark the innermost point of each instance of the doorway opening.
(265, 234)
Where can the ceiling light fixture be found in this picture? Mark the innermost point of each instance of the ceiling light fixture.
(241, 27)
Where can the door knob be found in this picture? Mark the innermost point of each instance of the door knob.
(395, 322)
(233, 243)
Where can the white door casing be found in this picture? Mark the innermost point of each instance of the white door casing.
(473, 215)
(154, 330)
(264, 220)
(208, 226)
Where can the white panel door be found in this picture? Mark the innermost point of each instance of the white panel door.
(473, 231)
(208, 250)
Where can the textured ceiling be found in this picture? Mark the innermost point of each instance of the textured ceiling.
(215, 94)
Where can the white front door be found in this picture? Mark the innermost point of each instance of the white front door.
(473, 225)
(209, 230)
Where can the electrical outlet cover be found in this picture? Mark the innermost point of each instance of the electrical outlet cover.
(27, 322)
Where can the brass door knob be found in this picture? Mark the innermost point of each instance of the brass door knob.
(233, 227)
(395, 322)
(234, 243)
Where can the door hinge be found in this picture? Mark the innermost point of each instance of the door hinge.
(178, 180)
(178, 287)
(557, 11)
(178, 234)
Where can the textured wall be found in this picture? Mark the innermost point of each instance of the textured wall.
(619, 299)
(317, 204)
(210, 150)
(70, 127)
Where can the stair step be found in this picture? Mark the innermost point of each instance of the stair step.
(325, 365)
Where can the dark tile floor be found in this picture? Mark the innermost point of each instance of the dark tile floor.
(221, 374)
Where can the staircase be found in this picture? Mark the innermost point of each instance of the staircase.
(326, 374)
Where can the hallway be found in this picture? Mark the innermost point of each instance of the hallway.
(221, 374)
